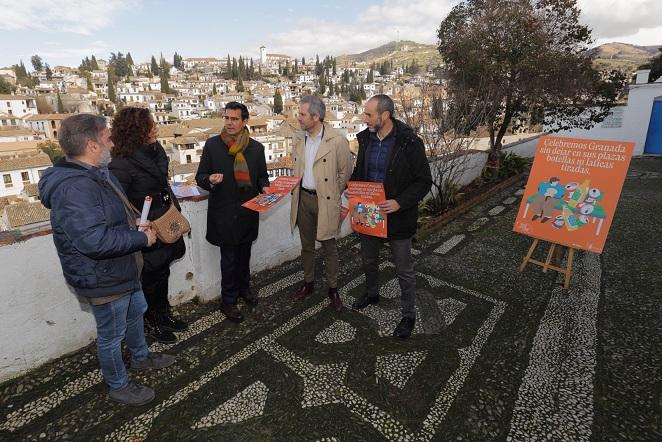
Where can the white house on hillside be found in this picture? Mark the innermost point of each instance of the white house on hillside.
(20, 170)
(640, 121)
(18, 105)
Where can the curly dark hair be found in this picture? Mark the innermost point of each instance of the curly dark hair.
(131, 128)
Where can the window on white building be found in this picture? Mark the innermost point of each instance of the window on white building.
(25, 176)
(7, 180)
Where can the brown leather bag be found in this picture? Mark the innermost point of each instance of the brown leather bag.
(170, 226)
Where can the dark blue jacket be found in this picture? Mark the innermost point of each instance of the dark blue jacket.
(91, 231)
(407, 180)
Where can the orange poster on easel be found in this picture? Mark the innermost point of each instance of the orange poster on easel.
(273, 194)
(573, 190)
(365, 216)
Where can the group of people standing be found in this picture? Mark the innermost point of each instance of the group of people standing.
(121, 268)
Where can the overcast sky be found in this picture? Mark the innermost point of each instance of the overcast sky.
(64, 31)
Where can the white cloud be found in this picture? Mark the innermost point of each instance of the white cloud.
(610, 18)
(64, 55)
(628, 21)
(631, 21)
(415, 20)
(76, 16)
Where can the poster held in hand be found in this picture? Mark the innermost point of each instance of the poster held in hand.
(280, 188)
(145, 212)
(365, 216)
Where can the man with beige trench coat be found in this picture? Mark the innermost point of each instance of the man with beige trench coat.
(323, 159)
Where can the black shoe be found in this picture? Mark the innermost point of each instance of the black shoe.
(232, 312)
(170, 323)
(249, 298)
(545, 219)
(133, 394)
(364, 301)
(404, 328)
(159, 333)
(535, 217)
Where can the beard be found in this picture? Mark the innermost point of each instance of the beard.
(377, 127)
(105, 158)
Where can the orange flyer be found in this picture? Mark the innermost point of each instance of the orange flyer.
(572, 191)
(365, 216)
(273, 194)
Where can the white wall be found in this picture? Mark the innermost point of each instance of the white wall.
(17, 180)
(42, 318)
(636, 118)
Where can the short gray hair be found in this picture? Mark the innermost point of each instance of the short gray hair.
(315, 105)
(384, 104)
(76, 130)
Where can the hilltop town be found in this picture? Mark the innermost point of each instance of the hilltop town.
(186, 97)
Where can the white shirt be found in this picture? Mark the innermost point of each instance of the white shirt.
(311, 146)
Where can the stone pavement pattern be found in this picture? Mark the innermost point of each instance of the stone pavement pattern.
(495, 355)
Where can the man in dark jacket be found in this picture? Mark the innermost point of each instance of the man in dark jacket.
(391, 153)
(233, 169)
(99, 248)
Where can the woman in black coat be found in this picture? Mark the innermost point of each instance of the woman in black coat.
(141, 166)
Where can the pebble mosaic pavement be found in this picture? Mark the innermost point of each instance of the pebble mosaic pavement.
(495, 354)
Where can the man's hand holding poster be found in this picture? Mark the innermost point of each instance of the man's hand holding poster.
(281, 186)
(365, 216)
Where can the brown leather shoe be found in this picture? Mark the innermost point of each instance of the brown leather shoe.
(306, 289)
(336, 302)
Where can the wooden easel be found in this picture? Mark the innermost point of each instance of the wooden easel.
(558, 248)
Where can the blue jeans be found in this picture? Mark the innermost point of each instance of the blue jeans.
(116, 320)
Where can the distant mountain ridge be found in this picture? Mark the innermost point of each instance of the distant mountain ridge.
(622, 56)
(399, 52)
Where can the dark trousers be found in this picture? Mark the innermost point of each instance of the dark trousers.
(235, 271)
(155, 287)
(404, 268)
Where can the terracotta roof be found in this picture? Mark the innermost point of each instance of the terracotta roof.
(281, 163)
(16, 97)
(185, 140)
(204, 123)
(20, 146)
(41, 117)
(31, 189)
(22, 214)
(257, 122)
(26, 162)
(183, 169)
(166, 131)
(12, 132)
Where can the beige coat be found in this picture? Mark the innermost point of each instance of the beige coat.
(332, 169)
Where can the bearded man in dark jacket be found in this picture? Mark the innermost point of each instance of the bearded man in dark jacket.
(391, 153)
(99, 248)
